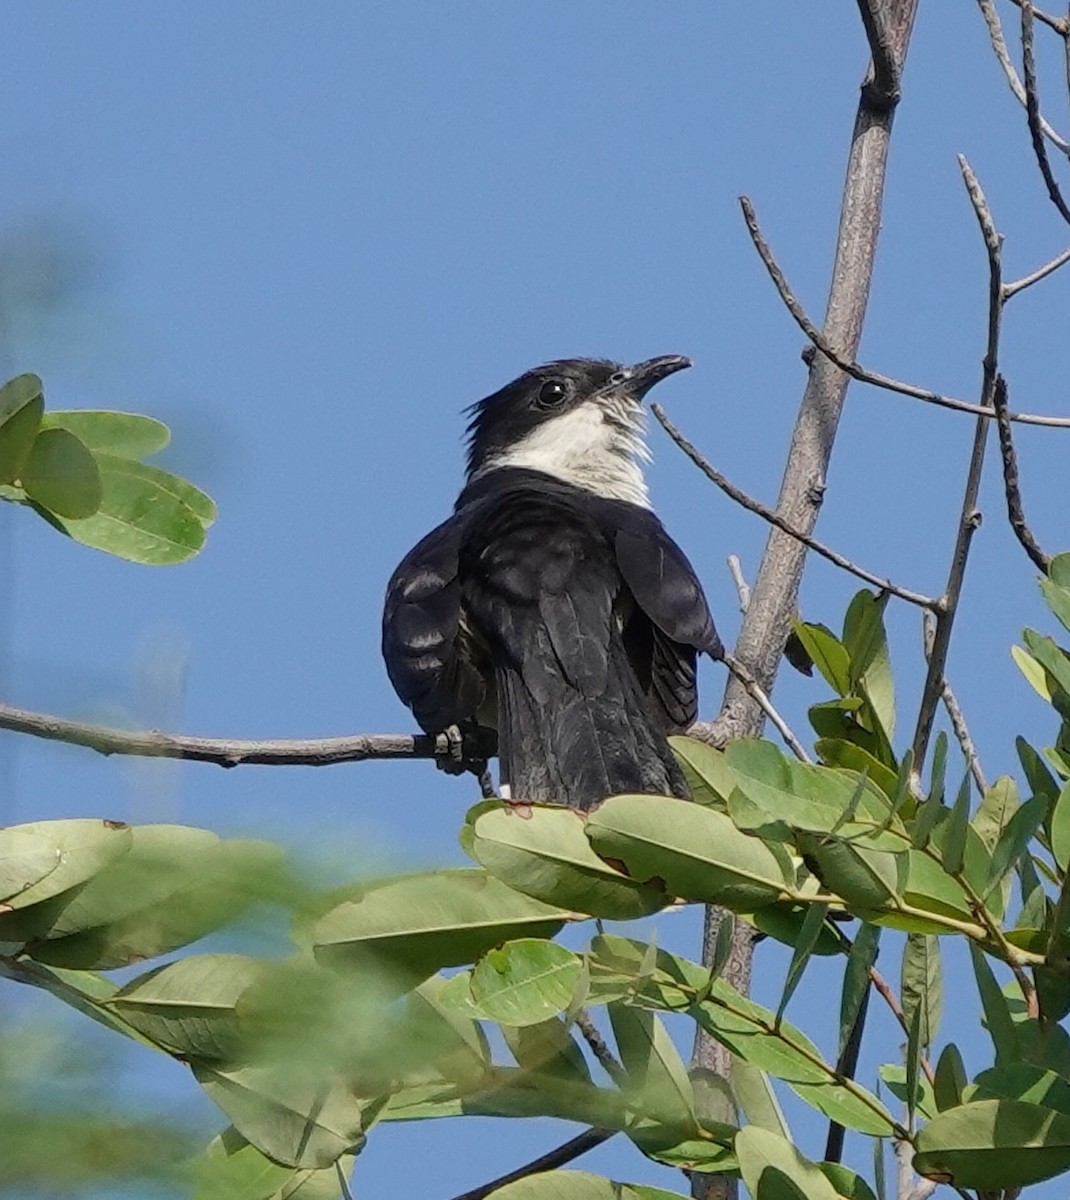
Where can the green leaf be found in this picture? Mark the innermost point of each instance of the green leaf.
(856, 980)
(709, 778)
(804, 948)
(835, 752)
(126, 435)
(146, 515)
(1040, 779)
(867, 646)
(784, 921)
(954, 848)
(84, 847)
(1023, 1081)
(1058, 600)
(696, 851)
(864, 877)
(847, 1184)
(174, 885)
(61, 475)
(1053, 659)
(232, 1169)
(950, 1078)
(993, 1144)
(295, 1120)
(25, 859)
(416, 924)
(658, 1083)
(189, 1006)
(894, 1076)
(936, 782)
(525, 981)
(922, 984)
(21, 406)
(913, 1063)
(1060, 830)
(997, 1013)
(1014, 839)
(543, 852)
(755, 1096)
(773, 1169)
(828, 653)
(1059, 570)
(578, 1185)
(998, 805)
(547, 1048)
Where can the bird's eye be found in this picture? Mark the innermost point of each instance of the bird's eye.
(618, 377)
(552, 394)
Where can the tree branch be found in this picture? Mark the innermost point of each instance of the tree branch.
(970, 517)
(1012, 289)
(849, 366)
(999, 46)
(1015, 512)
(550, 1161)
(954, 712)
(773, 518)
(774, 599)
(227, 752)
(1032, 112)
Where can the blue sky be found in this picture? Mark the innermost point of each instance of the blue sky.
(308, 236)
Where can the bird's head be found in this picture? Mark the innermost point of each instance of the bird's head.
(578, 419)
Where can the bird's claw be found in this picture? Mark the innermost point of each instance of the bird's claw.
(454, 761)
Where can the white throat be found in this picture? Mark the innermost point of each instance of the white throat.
(589, 448)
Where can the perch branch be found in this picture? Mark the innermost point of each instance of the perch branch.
(1032, 112)
(1013, 492)
(773, 518)
(1060, 24)
(999, 46)
(849, 366)
(757, 694)
(1012, 289)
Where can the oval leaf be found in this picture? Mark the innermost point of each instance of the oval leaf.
(21, 406)
(525, 981)
(127, 435)
(697, 851)
(61, 475)
(543, 852)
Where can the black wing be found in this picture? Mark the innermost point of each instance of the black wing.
(678, 627)
(428, 657)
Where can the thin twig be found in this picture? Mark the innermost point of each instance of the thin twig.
(550, 1161)
(343, 1183)
(600, 1049)
(758, 695)
(999, 45)
(767, 514)
(970, 515)
(742, 587)
(847, 1065)
(1032, 112)
(1015, 512)
(954, 712)
(225, 752)
(849, 366)
(1019, 285)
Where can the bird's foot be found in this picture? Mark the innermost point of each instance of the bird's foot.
(453, 761)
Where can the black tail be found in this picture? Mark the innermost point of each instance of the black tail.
(576, 749)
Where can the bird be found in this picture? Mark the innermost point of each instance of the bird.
(552, 606)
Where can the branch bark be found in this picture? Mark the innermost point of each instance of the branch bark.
(773, 602)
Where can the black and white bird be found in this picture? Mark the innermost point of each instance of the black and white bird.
(552, 605)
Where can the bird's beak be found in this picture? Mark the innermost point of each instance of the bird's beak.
(642, 377)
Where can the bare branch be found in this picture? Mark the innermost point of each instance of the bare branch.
(1012, 289)
(225, 752)
(999, 45)
(550, 1161)
(757, 694)
(1015, 512)
(773, 518)
(970, 516)
(847, 364)
(1032, 112)
(954, 713)
(1060, 24)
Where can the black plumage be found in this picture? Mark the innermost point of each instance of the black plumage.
(565, 616)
